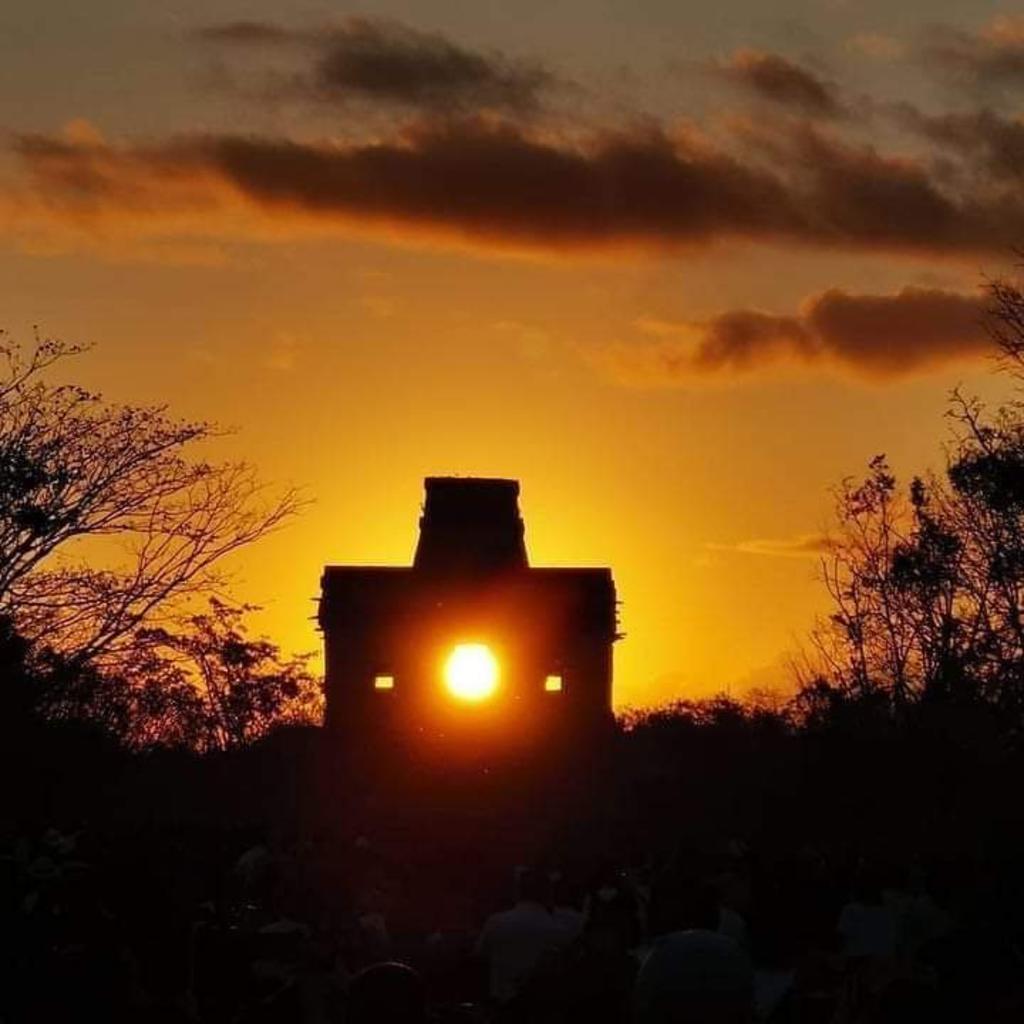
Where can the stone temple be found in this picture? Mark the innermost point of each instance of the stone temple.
(470, 644)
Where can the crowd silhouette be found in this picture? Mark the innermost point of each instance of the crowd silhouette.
(172, 923)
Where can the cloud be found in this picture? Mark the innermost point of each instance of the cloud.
(742, 339)
(983, 140)
(777, 79)
(383, 60)
(805, 545)
(464, 166)
(876, 336)
(490, 183)
(494, 181)
(889, 335)
(248, 33)
(892, 202)
(992, 59)
(390, 61)
(495, 184)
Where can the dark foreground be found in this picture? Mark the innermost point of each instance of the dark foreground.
(663, 878)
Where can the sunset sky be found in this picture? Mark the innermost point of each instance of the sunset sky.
(677, 267)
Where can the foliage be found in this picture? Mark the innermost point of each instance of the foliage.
(112, 528)
(204, 685)
(74, 468)
(927, 583)
(720, 712)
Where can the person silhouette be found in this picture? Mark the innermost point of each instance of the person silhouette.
(389, 992)
(513, 941)
(697, 976)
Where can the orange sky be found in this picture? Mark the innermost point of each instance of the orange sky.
(677, 291)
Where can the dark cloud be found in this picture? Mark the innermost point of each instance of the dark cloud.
(877, 336)
(384, 60)
(775, 78)
(990, 59)
(887, 335)
(857, 195)
(497, 184)
(387, 60)
(490, 183)
(854, 195)
(981, 139)
(742, 339)
(474, 168)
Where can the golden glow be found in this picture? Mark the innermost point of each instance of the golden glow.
(553, 684)
(349, 367)
(471, 672)
(383, 682)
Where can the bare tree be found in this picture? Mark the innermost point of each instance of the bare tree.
(1006, 323)
(77, 471)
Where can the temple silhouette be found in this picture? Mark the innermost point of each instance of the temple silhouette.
(470, 644)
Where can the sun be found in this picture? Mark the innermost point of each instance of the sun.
(471, 672)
